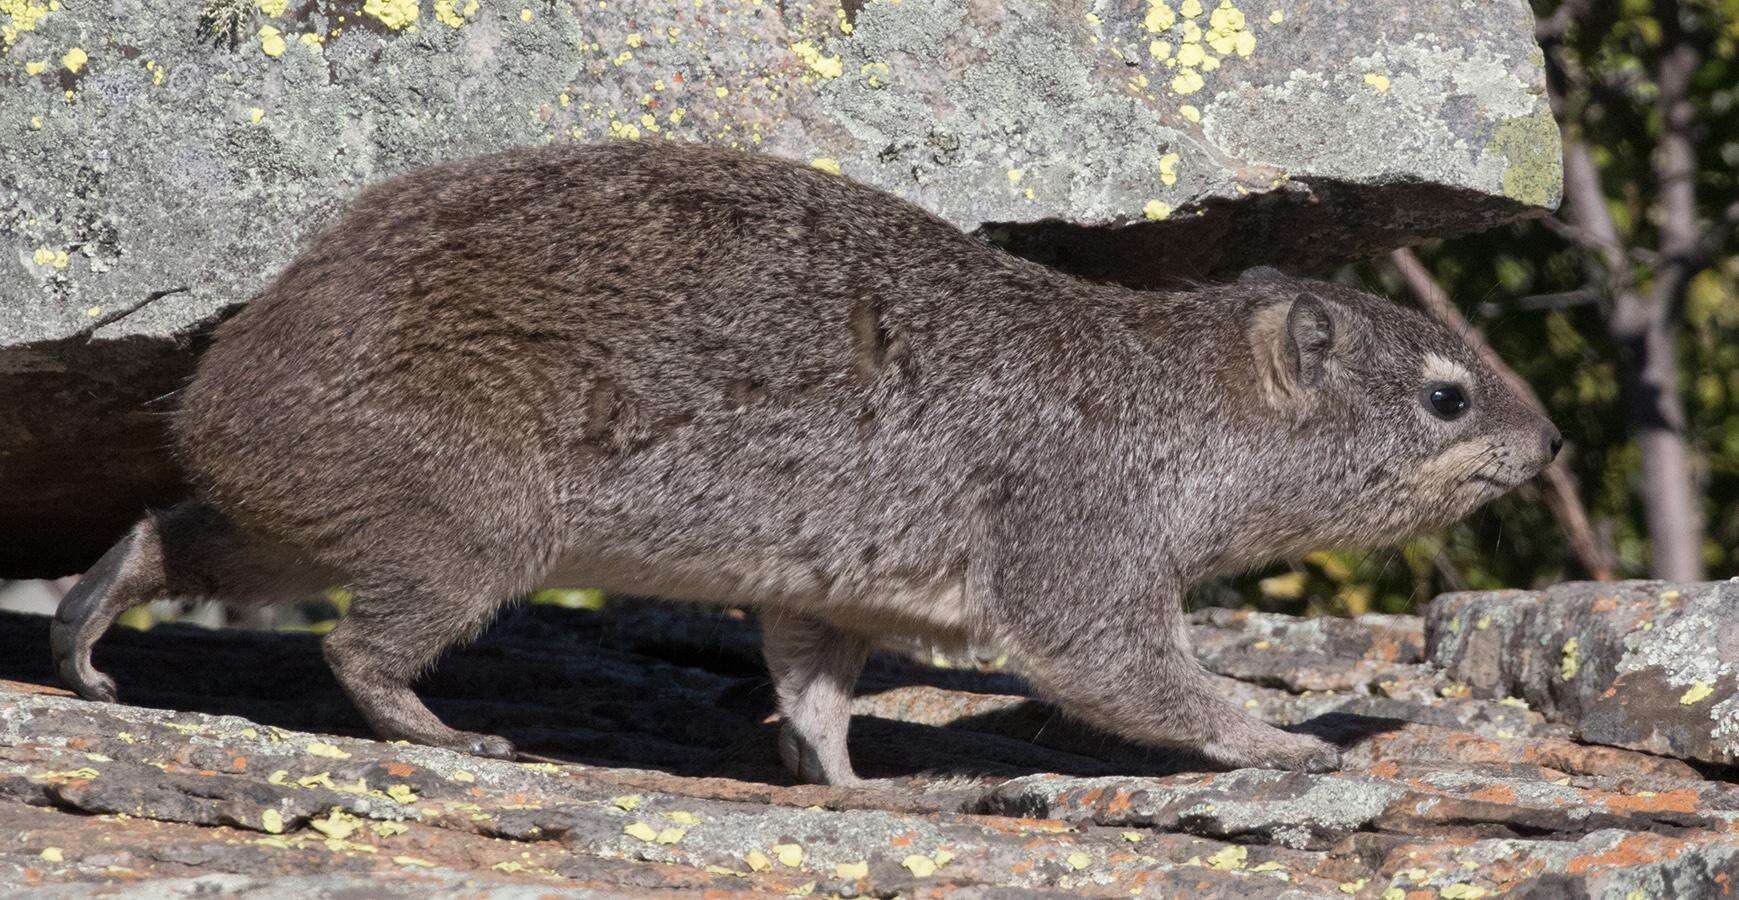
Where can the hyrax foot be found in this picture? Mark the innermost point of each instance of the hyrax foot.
(489, 745)
(1267, 747)
(806, 763)
(72, 661)
(471, 742)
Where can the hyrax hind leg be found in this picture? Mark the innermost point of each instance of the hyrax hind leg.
(188, 551)
(814, 668)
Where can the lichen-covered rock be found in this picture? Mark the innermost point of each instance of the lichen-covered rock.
(1647, 665)
(653, 768)
(1131, 139)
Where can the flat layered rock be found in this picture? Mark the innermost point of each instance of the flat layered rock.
(237, 768)
(1647, 665)
(1132, 140)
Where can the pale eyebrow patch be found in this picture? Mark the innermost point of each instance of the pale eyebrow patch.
(1442, 368)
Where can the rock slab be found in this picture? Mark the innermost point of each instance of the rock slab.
(1647, 665)
(1127, 139)
(655, 769)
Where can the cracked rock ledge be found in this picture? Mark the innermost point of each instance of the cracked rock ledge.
(1571, 742)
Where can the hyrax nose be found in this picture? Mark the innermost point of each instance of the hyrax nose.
(1554, 441)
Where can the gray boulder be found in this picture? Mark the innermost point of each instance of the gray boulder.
(1647, 665)
(1127, 140)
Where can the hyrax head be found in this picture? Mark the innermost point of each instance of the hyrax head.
(1389, 425)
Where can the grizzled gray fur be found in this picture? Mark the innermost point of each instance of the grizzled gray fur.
(690, 373)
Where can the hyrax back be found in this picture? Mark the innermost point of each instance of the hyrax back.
(676, 371)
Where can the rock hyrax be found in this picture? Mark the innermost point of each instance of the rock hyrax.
(689, 373)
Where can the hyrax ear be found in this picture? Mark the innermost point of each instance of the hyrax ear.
(1292, 342)
(1309, 339)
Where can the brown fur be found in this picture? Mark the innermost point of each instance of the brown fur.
(687, 372)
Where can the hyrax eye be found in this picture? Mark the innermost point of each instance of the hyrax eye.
(1446, 401)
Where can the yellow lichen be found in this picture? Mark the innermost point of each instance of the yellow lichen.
(1571, 663)
(851, 871)
(635, 40)
(394, 14)
(74, 60)
(447, 13)
(526, 15)
(256, 114)
(1079, 860)
(1276, 17)
(1226, 18)
(1378, 81)
(1190, 55)
(326, 750)
(337, 825)
(272, 821)
(36, 123)
(919, 865)
(758, 861)
(641, 831)
(1159, 49)
(52, 854)
(1232, 857)
(1156, 210)
(22, 16)
(36, 67)
(1159, 16)
(1190, 112)
(271, 41)
(274, 8)
(1015, 175)
(821, 64)
(1244, 44)
(1190, 9)
(1168, 167)
(1698, 691)
(826, 164)
(789, 855)
(1187, 82)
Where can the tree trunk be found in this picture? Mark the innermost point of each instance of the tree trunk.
(1649, 378)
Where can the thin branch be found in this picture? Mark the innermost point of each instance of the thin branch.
(1562, 496)
(1675, 157)
(90, 328)
(1713, 241)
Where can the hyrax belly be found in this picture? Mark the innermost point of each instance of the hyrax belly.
(932, 605)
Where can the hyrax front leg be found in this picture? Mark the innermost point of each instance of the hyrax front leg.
(1120, 658)
(814, 666)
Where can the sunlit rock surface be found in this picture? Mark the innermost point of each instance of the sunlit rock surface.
(241, 768)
